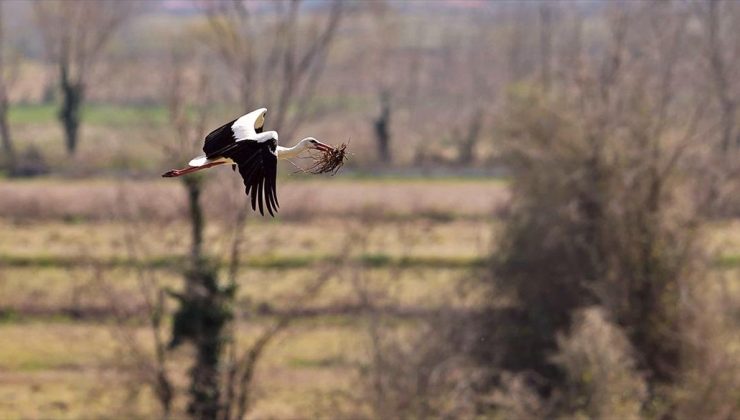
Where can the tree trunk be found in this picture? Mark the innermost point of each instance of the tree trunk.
(382, 128)
(73, 96)
(193, 185)
(467, 146)
(9, 161)
(8, 148)
(545, 46)
(205, 309)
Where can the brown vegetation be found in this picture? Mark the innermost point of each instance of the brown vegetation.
(306, 199)
(598, 280)
(600, 216)
(330, 161)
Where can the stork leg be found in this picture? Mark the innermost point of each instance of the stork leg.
(189, 169)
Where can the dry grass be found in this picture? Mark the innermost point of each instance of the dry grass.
(303, 371)
(56, 366)
(463, 239)
(80, 292)
(74, 370)
(329, 162)
(163, 200)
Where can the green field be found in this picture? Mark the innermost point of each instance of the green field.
(95, 114)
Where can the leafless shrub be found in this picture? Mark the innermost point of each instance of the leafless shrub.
(421, 373)
(602, 377)
(416, 369)
(241, 363)
(147, 361)
(146, 354)
(602, 210)
(516, 398)
(29, 163)
(710, 379)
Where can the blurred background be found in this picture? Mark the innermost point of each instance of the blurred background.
(540, 216)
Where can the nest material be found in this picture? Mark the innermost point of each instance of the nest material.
(329, 162)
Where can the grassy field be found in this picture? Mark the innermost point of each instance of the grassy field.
(95, 114)
(67, 255)
(72, 369)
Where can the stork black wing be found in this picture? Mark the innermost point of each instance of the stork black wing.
(221, 138)
(258, 168)
(218, 139)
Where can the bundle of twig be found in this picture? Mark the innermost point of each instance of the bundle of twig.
(330, 161)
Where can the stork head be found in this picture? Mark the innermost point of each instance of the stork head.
(312, 143)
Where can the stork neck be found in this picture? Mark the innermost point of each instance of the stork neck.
(290, 152)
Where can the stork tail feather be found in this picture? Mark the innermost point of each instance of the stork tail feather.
(184, 171)
(171, 174)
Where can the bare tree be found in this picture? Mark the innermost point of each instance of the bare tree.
(221, 377)
(8, 73)
(517, 40)
(242, 363)
(469, 141)
(720, 69)
(546, 41)
(473, 94)
(597, 174)
(151, 368)
(204, 305)
(477, 96)
(75, 34)
(382, 127)
(720, 51)
(277, 61)
(383, 56)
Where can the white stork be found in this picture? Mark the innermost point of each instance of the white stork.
(243, 143)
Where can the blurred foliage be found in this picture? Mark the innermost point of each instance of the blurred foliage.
(556, 238)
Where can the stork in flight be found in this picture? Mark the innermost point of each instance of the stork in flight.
(243, 143)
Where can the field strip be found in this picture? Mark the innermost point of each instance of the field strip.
(265, 262)
(344, 314)
(100, 199)
(277, 262)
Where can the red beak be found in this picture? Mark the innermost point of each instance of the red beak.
(322, 147)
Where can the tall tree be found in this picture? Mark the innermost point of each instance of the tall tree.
(721, 59)
(546, 41)
(222, 373)
(382, 127)
(7, 75)
(204, 305)
(382, 43)
(75, 33)
(721, 52)
(615, 152)
(276, 62)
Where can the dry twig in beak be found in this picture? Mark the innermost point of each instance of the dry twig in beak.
(329, 161)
